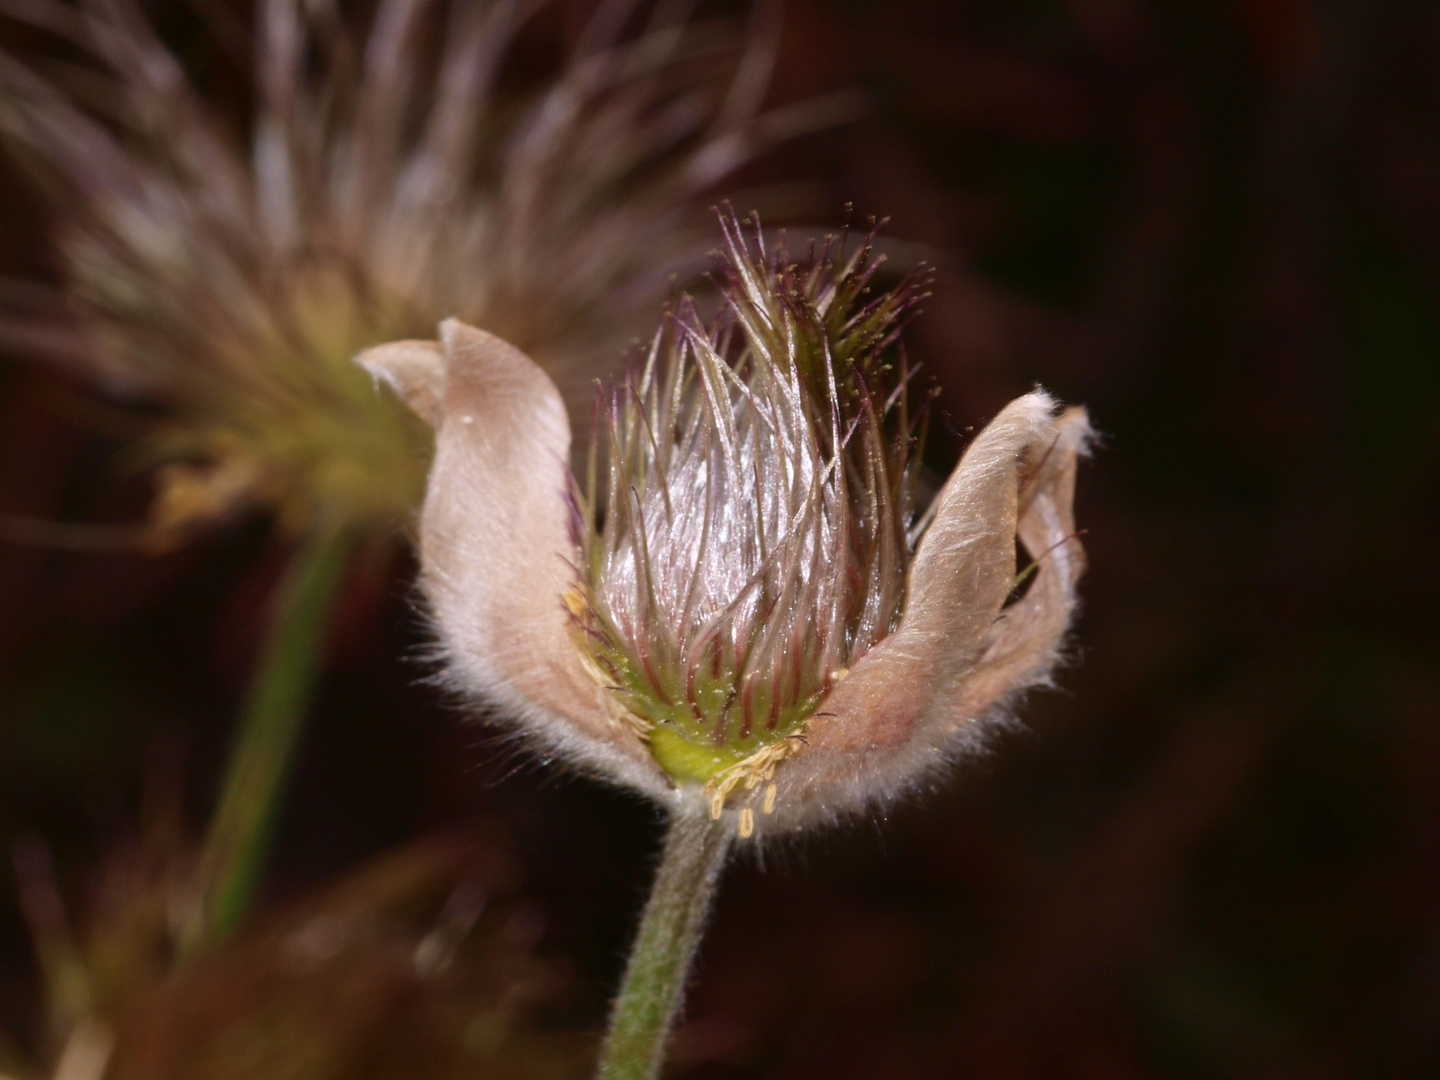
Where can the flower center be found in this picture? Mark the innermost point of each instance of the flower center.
(758, 484)
(701, 711)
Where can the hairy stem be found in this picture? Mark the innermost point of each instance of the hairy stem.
(649, 999)
(238, 839)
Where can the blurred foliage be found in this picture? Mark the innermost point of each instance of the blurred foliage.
(418, 965)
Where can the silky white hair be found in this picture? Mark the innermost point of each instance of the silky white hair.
(760, 476)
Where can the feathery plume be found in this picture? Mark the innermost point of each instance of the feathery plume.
(394, 172)
(751, 543)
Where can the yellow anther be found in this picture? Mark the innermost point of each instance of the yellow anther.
(747, 822)
(751, 772)
(574, 601)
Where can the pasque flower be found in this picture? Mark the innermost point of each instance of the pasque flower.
(396, 165)
(741, 607)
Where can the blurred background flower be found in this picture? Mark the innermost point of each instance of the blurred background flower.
(387, 174)
(1215, 855)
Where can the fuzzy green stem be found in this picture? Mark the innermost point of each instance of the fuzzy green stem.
(649, 999)
(239, 836)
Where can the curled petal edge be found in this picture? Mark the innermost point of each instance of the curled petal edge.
(494, 546)
(959, 655)
(415, 371)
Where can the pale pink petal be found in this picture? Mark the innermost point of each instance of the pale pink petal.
(494, 545)
(1021, 648)
(415, 370)
(913, 699)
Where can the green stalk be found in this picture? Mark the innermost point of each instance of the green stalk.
(238, 840)
(649, 999)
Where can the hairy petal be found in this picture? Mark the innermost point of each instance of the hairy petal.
(1021, 648)
(909, 702)
(415, 370)
(494, 544)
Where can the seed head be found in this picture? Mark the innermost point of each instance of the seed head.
(759, 484)
(392, 171)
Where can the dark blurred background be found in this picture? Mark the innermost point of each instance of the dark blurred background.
(1215, 852)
